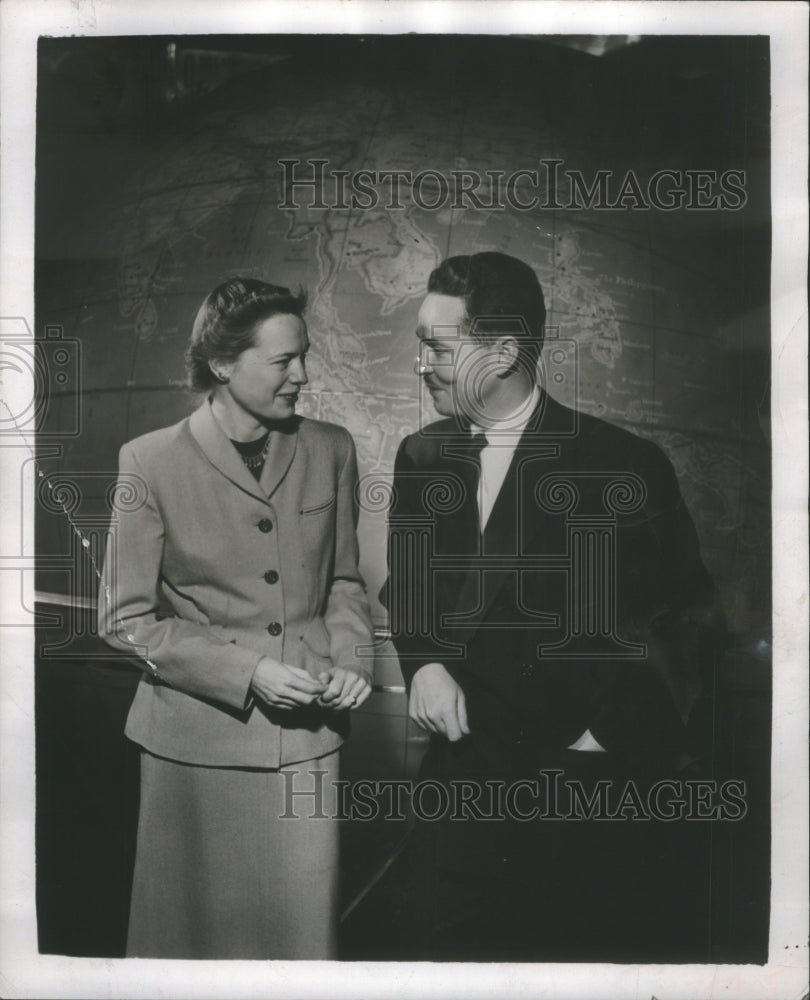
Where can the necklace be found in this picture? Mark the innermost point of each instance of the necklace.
(255, 461)
(253, 453)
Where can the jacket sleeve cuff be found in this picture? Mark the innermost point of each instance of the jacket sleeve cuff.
(241, 668)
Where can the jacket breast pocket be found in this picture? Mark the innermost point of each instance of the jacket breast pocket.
(319, 507)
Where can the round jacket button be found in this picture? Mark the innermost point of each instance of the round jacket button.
(265, 525)
(274, 628)
(271, 576)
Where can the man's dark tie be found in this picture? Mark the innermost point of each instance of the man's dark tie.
(472, 453)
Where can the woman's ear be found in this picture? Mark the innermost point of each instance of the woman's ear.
(221, 370)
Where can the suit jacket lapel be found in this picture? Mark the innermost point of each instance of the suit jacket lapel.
(283, 442)
(461, 528)
(221, 453)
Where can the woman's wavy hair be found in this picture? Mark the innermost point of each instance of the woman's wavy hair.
(226, 322)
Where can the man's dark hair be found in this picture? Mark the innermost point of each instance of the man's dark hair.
(226, 322)
(495, 285)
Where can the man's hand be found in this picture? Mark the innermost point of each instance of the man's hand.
(283, 686)
(437, 702)
(345, 689)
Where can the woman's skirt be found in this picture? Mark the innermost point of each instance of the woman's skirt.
(235, 863)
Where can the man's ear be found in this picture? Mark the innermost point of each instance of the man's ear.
(508, 355)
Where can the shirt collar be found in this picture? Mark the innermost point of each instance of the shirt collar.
(514, 424)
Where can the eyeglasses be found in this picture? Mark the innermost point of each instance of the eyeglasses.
(432, 357)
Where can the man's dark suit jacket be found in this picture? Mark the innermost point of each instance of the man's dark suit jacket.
(508, 614)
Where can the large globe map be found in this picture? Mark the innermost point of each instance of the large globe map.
(638, 330)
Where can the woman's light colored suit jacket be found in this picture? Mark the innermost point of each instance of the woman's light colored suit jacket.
(208, 570)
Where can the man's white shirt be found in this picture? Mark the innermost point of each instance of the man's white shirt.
(496, 455)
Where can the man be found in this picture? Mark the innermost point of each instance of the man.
(552, 617)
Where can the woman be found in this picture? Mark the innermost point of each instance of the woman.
(233, 574)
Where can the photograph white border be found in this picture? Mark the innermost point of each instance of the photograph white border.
(25, 973)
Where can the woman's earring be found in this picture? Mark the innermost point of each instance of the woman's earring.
(222, 379)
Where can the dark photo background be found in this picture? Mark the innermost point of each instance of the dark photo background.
(157, 175)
